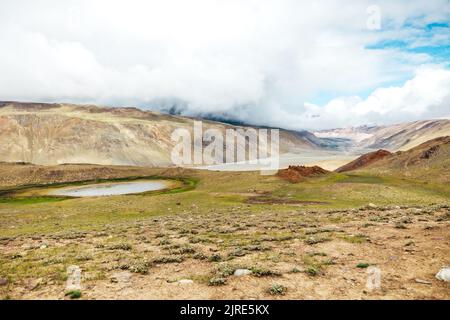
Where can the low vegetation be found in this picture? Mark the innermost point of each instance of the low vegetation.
(315, 237)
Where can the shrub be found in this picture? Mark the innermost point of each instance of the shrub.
(217, 281)
(277, 289)
(120, 246)
(362, 265)
(261, 272)
(169, 259)
(74, 294)
(215, 258)
(312, 271)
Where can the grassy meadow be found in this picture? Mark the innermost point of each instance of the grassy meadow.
(315, 234)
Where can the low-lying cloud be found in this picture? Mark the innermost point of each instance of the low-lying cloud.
(260, 62)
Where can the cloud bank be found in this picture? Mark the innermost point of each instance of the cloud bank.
(279, 63)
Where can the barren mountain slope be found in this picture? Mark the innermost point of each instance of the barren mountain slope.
(394, 137)
(64, 133)
(429, 161)
(364, 160)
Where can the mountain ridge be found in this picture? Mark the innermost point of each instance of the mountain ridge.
(51, 134)
(396, 137)
(64, 133)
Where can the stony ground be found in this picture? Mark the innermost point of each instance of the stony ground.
(234, 236)
(296, 255)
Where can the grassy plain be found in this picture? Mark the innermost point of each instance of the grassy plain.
(311, 238)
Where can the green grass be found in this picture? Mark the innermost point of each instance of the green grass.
(134, 232)
(362, 179)
(354, 238)
(350, 191)
(277, 289)
(363, 265)
(74, 294)
(30, 200)
(204, 192)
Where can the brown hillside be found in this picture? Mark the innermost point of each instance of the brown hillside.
(295, 174)
(429, 161)
(51, 134)
(364, 160)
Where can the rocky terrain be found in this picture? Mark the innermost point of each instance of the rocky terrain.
(233, 235)
(396, 137)
(364, 160)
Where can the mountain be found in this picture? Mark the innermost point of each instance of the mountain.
(428, 161)
(365, 160)
(50, 134)
(398, 137)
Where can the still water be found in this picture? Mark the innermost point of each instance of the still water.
(111, 189)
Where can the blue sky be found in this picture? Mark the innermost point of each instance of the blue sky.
(430, 39)
(439, 51)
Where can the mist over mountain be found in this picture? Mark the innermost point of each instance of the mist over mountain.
(288, 64)
(66, 133)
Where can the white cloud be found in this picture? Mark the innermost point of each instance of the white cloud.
(259, 61)
(427, 95)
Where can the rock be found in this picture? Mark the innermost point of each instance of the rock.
(43, 246)
(122, 277)
(73, 278)
(3, 282)
(444, 274)
(422, 281)
(373, 278)
(33, 284)
(185, 281)
(242, 272)
(372, 205)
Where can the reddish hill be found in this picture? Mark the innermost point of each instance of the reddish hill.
(429, 161)
(364, 160)
(295, 174)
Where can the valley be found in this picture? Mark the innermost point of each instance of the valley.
(306, 232)
(314, 239)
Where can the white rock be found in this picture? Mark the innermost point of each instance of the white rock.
(121, 277)
(373, 278)
(242, 272)
(372, 205)
(73, 278)
(421, 281)
(185, 281)
(444, 274)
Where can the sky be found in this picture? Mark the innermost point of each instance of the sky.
(283, 63)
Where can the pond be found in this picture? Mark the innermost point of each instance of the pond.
(111, 188)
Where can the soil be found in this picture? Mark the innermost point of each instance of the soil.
(295, 174)
(416, 250)
(365, 160)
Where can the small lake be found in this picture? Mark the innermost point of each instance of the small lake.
(111, 189)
